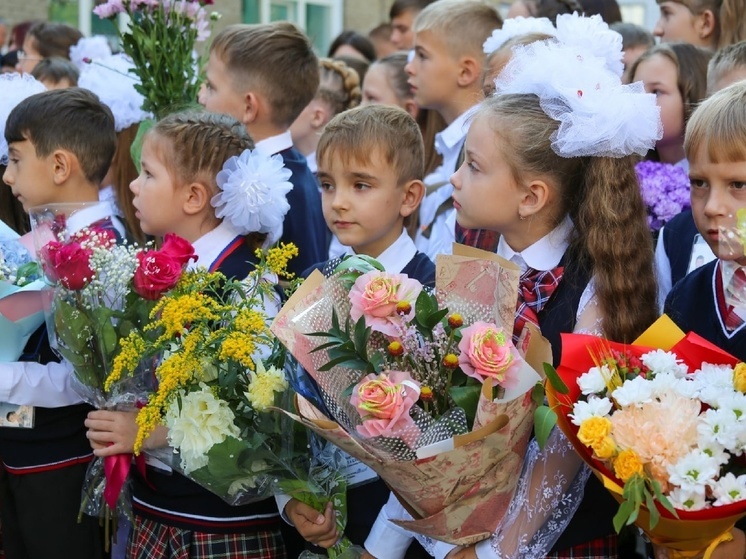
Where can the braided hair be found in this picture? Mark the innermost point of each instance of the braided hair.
(339, 86)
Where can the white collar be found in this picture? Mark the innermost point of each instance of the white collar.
(275, 144)
(209, 246)
(311, 162)
(451, 135)
(89, 215)
(397, 255)
(545, 253)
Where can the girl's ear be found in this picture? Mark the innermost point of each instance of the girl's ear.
(536, 197)
(705, 25)
(414, 191)
(196, 197)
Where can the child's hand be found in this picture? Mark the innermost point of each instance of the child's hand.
(114, 432)
(319, 529)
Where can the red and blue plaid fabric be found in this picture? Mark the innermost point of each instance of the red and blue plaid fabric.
(600, 548)
(477, 238)
(152, 540)
(534, 290)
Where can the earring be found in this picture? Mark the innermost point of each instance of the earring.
(521, 216)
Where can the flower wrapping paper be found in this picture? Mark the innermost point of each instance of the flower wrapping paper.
(692, 532)
(460, 494)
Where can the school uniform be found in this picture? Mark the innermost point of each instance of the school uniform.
(304, 223)
(177, 518)
(44, 466)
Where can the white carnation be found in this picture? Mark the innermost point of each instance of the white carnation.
(594, 381)
(594, 407)
(634, 392)
(663, 362)
(713, 382)
(667, 383)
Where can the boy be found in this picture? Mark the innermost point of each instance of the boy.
(370, 167)
(711, 300)
(264, 76)
(402, 14)
(446, 76)
(60, 146)
(726, 67)
(56, 73)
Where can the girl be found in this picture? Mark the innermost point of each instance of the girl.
(339, 90)
(175, 192)
(566, 203)
(677, 75)
(711, 24)
(543, 8)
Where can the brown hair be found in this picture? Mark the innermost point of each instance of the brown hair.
(725, 61)
(54, 39)
(602, 197)
(360, 132)
(339, 85)
(551, 8)
(691, 69)
(401, 6)
(56, 69)
(123, 172)
(719, 125)
(730, 18)
(463, 25)
(276, 59)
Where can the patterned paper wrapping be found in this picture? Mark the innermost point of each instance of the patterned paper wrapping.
(461, 494)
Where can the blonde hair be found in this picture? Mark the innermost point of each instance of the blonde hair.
(390, 131)
(730, 18)
(463, 25)
(719, 125)
(339, 86)
(276, 59)
(725, 61)
(602, 197)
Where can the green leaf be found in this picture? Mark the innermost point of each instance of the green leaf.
(653, 510)
(538, 394)
(662, 499)
(545, 419)
(435, 317)
(621, 518)
(362, 334)
(346, 362)
(467, 398)
(424, 307)
(557, 383)
(109, 339)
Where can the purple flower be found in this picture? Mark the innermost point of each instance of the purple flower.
(665, 191)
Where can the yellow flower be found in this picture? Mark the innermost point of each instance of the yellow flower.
(277, 258)
(239, 347)
(426, 393)
(450, 361)
(178, 313)
(605, 448)
(627, 464)
(131, 350)
(593, 430)
(262, 386)
(739, 377)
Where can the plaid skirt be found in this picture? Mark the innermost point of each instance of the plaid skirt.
(600, 548)
(152, 540)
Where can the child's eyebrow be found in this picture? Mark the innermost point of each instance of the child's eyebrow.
(363, 176)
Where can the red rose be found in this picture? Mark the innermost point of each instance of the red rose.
(68, 263)
(157, 272)
(179, 249)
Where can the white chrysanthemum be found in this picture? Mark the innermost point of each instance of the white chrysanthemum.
(593, 35)
(718, 426)
(201, 422)
(253, 193)
(713, 382)
(666, 383)
(714, 450)
(594, 407)
(729, 489)
(735, 402)
(514, 27)
(694, 471)
(687, 500)
(661, 362)
(15, 88)
(594, 380)
(89, 49)
(634, 392)
(110, 78)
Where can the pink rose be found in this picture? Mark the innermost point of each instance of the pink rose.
(156, 274)
(383, 402)
(488, 351)
(178, 248)
(69, 263)
(375, 296)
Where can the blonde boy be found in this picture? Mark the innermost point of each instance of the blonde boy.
(264, 75)
(726, 67)
(445, 75)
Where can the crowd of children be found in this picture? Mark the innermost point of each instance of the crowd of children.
(463, 135)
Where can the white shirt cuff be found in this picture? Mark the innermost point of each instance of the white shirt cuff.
(281, 499)
(387, 540)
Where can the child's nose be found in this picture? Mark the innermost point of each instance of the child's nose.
(8, 177)
(134, 187)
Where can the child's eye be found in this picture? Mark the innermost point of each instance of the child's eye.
(738, 185)
(473, 168)
(361, 186)
(326, 187)
(697, 183)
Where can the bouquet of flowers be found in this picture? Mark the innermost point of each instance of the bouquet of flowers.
(426, 389)
(160, 41)
(665, 191)
(661, 423)
(21, 308)
(102, 291)
(218, 378)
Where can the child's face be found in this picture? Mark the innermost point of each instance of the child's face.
(30, 58)
(660, 76)
(219, 94)
(401, 30)
(486, 196)
(718, 191)
(155, 193)
(30, 177)
(376, 88)
(678, 24)
(433, 72)
(363, 203)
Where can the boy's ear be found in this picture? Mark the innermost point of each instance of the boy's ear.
(705, 24)
(470, 71)
(64, 164)
(535, 198)
(414, 191)
(196, 197)
(250, 108)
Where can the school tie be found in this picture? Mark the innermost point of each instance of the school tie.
(534, 291)
(477, 238)
(735, 297)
